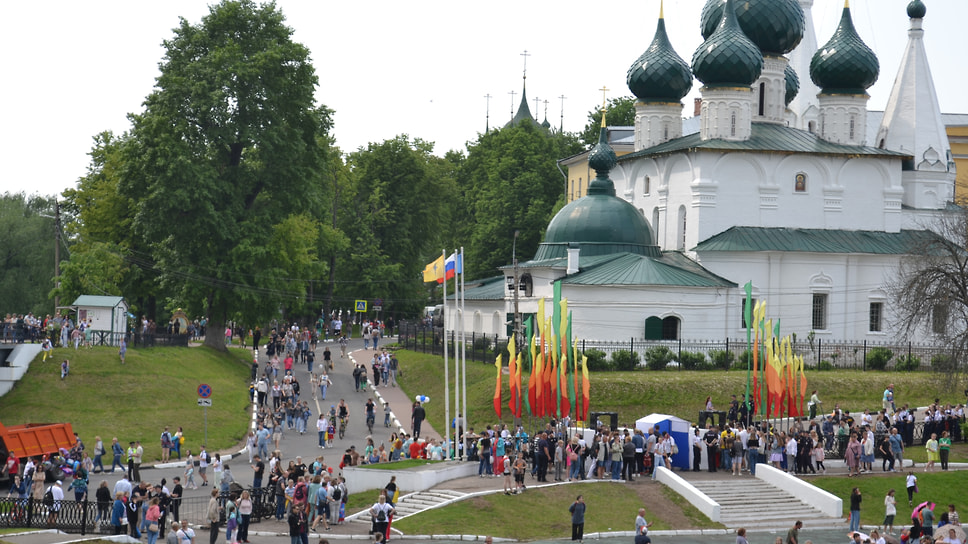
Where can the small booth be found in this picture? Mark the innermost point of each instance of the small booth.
(677, 428)
(107, 315)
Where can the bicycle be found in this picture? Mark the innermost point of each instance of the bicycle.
(342, 427)
(369, 422)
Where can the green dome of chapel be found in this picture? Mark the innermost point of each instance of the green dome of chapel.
(659, 75)
(845, 65)
(775, 26)
(599, 223)
(728, 57)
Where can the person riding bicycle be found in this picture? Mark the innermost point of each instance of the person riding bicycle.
(370, 413)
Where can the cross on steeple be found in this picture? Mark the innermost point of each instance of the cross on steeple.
(536, 101)
(512, 93)
(525, 55)
(604, 90)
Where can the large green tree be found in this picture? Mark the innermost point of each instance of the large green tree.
(402, 204)
(26, 253)
(510, 181)
(223, 165)
(620, 112)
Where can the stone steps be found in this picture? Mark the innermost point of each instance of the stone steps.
(414, 503)
(754, 504)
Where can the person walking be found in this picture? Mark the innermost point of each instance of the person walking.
(212, 514)
(577, 510)
(911, 482)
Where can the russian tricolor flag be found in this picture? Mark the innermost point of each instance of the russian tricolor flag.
(453, 265)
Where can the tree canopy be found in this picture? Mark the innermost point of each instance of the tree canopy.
(222, 164)
(26, 253)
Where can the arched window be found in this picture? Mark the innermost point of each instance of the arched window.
(732, 124)
(812, 127)
(646, 186)
(851, 136)
(525, 285)
(681, 234)
(670, 328)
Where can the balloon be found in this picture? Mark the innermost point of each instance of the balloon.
(423, 399)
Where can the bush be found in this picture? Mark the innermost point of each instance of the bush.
(942, 362)
(624, 359)
(878, 358)
(657, 357)
(825, 365)
(907, 363)
(692, 360)
(723, 359)
(597, 360)
(482, 343)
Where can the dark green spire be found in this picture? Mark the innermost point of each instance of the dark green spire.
(602, 159)
(845, 65)
(659, 74)
(727, 58)
(775, 26)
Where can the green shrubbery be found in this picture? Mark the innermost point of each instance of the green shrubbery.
(626, 360)
(657, 357)
(597, 360)
(691, 360)
(723, 359)
(908, 363)
(878, 358)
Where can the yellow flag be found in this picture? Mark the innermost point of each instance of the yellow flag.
(434, 271)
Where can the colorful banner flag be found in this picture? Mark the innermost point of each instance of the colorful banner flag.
(453, 265)
(434, 271)
(497, 388)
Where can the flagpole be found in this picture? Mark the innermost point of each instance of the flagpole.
(460, 335)
(463, 354)
(443, 253)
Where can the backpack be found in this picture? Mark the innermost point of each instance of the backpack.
(49, 497)
(337, 494)
(381, 516)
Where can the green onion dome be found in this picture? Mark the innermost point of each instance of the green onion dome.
(792, 84)
(845, 65)
(659, 74)
(916, 9)
(775, 26)
(727, 57)
(599, 223)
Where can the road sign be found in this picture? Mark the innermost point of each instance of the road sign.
(204, 391)
(204, 402)
(360, 306)
(377, 308)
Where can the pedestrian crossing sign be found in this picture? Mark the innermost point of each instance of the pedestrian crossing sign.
(360, 306)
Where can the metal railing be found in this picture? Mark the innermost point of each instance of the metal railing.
(86, 517)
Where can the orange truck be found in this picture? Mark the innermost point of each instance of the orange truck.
(35, 439)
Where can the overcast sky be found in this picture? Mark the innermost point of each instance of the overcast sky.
(73, 69)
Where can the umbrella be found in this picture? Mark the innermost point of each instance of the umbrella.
(941, 533)
(915, 514)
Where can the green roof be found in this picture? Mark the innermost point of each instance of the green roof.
(671, 269)
(818, 240)
(97, 301)
(486, 289)
(765, 137)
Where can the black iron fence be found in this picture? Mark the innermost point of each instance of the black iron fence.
(87, 517)
(726, 353)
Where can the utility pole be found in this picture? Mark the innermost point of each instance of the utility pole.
(57, 244)
(487, 115)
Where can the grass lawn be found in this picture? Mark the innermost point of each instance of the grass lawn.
(537, 514)
(154, 388)
(402, 464)
(679, 393)
(942, 488)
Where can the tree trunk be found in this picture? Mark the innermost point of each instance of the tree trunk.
(215, 330)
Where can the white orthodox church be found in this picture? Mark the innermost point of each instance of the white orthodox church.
(775, 183)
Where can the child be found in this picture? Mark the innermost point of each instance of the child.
(911, 483)
(47, 348)
(231, 524)
(386, 415)
(65, 368)
(818, 456)
(190, 471)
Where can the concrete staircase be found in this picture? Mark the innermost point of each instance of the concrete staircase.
(414, 503)
(754, 504)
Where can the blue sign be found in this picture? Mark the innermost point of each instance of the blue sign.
(360, 306)
(204, 391)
